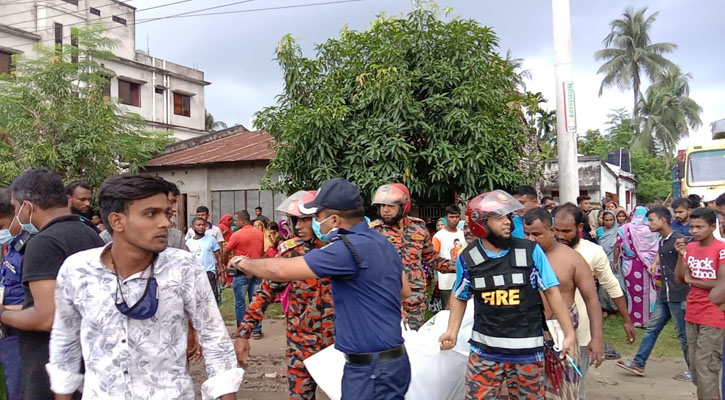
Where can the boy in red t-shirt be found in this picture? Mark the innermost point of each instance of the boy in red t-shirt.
(698, 265)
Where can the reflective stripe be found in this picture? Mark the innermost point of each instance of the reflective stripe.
(517, 279)
(520, 257)
(498, 280)
(479, 283)
(508, 343)
(476, 256)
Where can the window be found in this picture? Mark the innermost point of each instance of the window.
(6, 62)
(159, 90)
(231, 201)
(95, 11)
(119, 20)
(58, 35)
(107, 88)
(182, 104)
(129, 93)
(74, 2)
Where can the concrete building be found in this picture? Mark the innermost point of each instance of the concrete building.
(221, 170)
(597, 179)
(168, 96)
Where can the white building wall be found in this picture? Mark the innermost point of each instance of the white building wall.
(158, 109)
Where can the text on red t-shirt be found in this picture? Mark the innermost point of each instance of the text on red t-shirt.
(703, 263)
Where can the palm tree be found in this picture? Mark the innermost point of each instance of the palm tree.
(546, 126)
(212, 125)
(667, 113)
(629, 52)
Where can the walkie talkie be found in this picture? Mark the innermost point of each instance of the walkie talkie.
(19, 246)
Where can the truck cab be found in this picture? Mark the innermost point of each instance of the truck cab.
(701, 168)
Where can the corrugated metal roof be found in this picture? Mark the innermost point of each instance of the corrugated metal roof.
(244, 146)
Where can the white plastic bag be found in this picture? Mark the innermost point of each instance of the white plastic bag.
(435, 374)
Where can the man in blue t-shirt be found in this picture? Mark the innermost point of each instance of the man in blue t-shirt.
(681, 209)
(206, 249)
(367, 280)
(527, 196)
(504, 275)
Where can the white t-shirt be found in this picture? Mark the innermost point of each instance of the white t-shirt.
(450, 244)
(212, 230)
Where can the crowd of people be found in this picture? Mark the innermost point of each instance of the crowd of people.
(115, 303)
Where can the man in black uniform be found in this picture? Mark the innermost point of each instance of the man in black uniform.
(41, 206)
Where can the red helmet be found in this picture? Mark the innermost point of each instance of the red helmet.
(496, 202)
(291, 205)
(393, 193)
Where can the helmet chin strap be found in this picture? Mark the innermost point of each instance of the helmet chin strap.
(395, 220)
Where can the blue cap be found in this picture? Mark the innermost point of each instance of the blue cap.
(335, 194)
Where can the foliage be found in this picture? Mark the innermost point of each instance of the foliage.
(53, 114)
(653, 176)
(667, 112)
(415, 99)
(653, 172)
(211, 124)
(629, 51)
(594, 144)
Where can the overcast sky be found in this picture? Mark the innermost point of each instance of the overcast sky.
(236, 51)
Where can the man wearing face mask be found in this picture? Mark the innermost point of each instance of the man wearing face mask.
(413, 241)
(128, 305)
(41, 206)
(310, 325)
(11, 292)
(367, 281)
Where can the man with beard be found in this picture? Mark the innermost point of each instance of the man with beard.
(413, 242)
(504, 276)
(310, 316)
(128, 304)
(568, 225)
(682, 209)
(573, 274)
(79, 198)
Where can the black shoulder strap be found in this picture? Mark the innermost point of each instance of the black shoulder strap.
(355, 256)
(474, 254)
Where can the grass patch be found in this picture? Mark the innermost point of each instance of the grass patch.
(274, 311)
(667, 343)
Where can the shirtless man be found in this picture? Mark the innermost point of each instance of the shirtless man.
(573, 273)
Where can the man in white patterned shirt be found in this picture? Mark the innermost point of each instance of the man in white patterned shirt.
(125, 308)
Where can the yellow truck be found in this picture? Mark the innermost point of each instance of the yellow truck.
(700, 168)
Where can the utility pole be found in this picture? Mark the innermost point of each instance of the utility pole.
(565, 105)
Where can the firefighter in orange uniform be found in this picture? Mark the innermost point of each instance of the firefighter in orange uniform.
(310, 324)
(413, 242)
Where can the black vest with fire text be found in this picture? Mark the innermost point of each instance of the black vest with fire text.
(508, 313)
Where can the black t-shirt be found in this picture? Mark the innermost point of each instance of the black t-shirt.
(44, 254)
(671, 291)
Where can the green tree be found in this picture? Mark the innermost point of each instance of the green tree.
(594, 144)
(653, 172)
(211, 124)
(418, 99)
(53, 114)
(630, 52)
(667, 113)
(654, 180)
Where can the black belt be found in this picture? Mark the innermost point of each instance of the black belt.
(368, 358)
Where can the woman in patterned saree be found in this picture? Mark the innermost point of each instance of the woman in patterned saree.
(636, 249)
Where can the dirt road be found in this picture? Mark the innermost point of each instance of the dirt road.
(607, 382)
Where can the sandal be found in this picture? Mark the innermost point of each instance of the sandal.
(683, 377)
(631, 367)
(257, 336)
